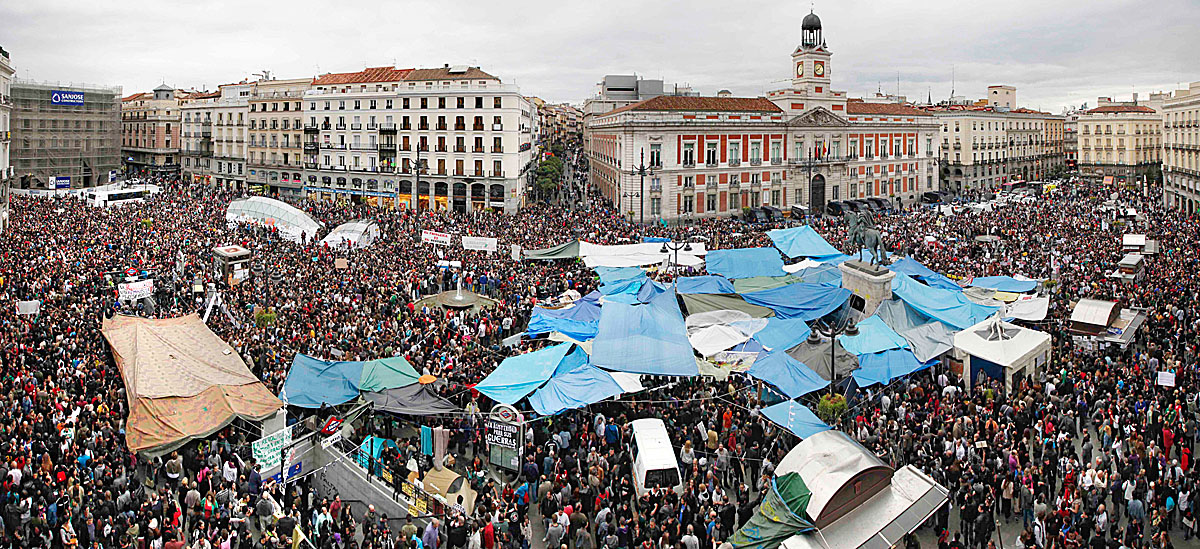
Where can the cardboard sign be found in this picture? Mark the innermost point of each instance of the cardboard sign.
(1166, 379)
(341, 263)
(266, 449)
(481, 243)
(516, 252)
(434, 237)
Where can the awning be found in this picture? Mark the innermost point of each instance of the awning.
(787, 374)
(801, 241)
(800, 300)
(796, 418)
(312, 382)
(416, 400)
(562, 251)
(745, 262)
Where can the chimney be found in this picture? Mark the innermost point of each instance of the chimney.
(446, 66)
(1135, 98)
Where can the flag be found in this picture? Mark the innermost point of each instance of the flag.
(297, 537)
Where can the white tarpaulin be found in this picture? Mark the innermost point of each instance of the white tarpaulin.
(638, 255)
(806, 264)
(1029, 308)
(716, 338)
(629, 383)
(482, 243)
(712, 332)
(135, 290)
(355, 234)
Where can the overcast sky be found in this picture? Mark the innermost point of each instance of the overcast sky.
(1057, 53)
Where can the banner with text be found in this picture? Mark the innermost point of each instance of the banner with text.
(434, 237)
(479, 243)
(266, 449)
(136, 290)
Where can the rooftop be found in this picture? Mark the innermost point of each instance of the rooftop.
(858, 106)
(702, 104)
(372, 74)
(1121, 109)
(448, 73)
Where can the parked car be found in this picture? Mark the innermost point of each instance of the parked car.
(836, 209)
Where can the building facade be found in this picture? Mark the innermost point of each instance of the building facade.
(1071, 141)
(802, 145)
(1120, 141)
(983, 147)
(65, 137)
(150, 131)
(275, 139)
(450, 138)
(1181, 149)
(6, 169)
(215, 142)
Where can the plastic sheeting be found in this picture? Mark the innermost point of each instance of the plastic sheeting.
(354, 234)
(783, 333)
(635, 255)
(612, 275)
(759, 283)
(874, 336)
(415, 399)
(944, 305)
(702, 303)
(647, 338)
(817, 358)
(745, 262)
(520, 375)
(800, 300)
(801, 241)
(917, 271)
(312, 382)
(826, 274)
(796, 418)
(711, 340)
(580, 321)
(704, 285)
(562, 251)
(1029, 308)
(1004, 284)
(292, 223)
(573, 385)
(781, 515)
(928, 341)
(882, 368)
(787, 374)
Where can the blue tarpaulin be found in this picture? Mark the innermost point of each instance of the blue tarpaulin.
(916, 270)
(800, 300)
(655, 239)
(885, 366)
(705, 285)
(783, 333)
(580, 321)
(801, 241)
(796, 418)
(312, 382)
(1004, 284)
(520, 375)
(609, 275)
(745, 262)
(647, 338)
(651, 289)
(786, 373)
(948, 306)
(827, 274)
(874, 336)
(573, 385)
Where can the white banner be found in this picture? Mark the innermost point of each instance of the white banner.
(1166, 379)
(434, 237)
(135, 290)
(266, 449)
(29, 307)
(516, 252)
(479, 243)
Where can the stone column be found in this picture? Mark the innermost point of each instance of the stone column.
(872, 283)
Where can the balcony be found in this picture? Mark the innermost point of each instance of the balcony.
(339, 126)
(361, 147)
(655, 187)
(441, 127)
(460, 127)
(327, 126)
(460, 149)
(477, 173)
(423, 127)
(755, 161)
(689, 163)
(776, 161)
(405, 127)
(311, 146)
(477, 127)
(497, 127)
(311, 165)
(710, 164)
(497, 174)
(406, 148)
(497, 149)
(735, 162)
(440, 148)
(387, 147)
(388, 127)
(477, 149)
(372, 126)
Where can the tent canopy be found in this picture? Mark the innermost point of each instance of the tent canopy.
(181, 380)
(562, 251)
(947, 306)
(291, 222)
(312, 382)
(783, 333)
(885, 366)
(415, 399)
(573, 385)
(580, 320)
(745, 262)
(782, 514)
(1004, 284)
(801, 241)
(634, 255)
(916, 270)
(1000, 342)
(816, 357)
(874, 336)
(355, 234)
(791, 377)
(795, 417)
(703, 303)
(800, 300)
(648, 338)
(704, 285)
(520, 375)
(759, 283)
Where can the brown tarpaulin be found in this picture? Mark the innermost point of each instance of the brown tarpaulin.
(182, 381)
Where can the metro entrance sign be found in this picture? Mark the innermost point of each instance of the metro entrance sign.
(505, 436)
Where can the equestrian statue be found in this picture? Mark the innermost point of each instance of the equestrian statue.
(863, 234)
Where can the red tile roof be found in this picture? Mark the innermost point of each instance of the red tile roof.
(858, 106)
(444, 73)
(374, 74)
(1120, 108)
(135, 96)
(702, 104)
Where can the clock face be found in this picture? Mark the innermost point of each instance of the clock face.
(799, 69)
(819, 68)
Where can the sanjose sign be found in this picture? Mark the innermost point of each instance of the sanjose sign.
(60, 97)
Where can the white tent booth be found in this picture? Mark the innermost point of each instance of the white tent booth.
(1002, 351)
(352, 234)
(292, 223)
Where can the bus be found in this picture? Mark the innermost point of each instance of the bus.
(103, 197)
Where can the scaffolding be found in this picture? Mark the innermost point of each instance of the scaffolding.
(56, 145)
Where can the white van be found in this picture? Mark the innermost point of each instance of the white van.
(654, 461)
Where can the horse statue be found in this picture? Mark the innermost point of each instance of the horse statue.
(863, 234)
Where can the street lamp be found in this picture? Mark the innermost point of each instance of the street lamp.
(641, 171)
(675, 247)
(416, 192)
(831, 330)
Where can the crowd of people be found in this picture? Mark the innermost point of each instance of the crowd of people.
(1091, 452)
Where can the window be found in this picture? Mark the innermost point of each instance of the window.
(405, 103)
(424, 102)
(478, 102)
(735, 153)
(655, 209)
(775, 198)
(837, 194)
(755, 150)
(710, 153)
(798, 197)
(854, 148)
(869, 148)
(656, 155)
(710, 202)
(373, 104)
(689, 205)
(776, 152)
(689, 154)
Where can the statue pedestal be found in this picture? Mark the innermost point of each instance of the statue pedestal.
(872, 283)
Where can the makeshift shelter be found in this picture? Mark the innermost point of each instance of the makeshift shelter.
(704, 285)
(562, 251)
(874, 336)
(580, 320)
(313, 382)
(856, 500)
(292, 223)
(353, 234)
(947, 306)
(573, 385)
(792, 378)
(825, 274)
(647, 338)
(759, 283)
(800, 300)
(745, 262)
(416, 399)
(781, 515)
(1001, 351)
(621, 280)
(182, 381)
(636, 255)
(554, 379)
(1004, 284)
(783, 333)
(817, 357)
(796, 418)
(927, 338)
(801, 241)
(702, 303)
(884, 366)
(921, 273)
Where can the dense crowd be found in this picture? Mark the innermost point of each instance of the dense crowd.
(1092, 452)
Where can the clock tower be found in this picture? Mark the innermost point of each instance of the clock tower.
(810, 74)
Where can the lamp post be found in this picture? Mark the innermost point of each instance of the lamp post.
(831, 330)
(641, 171)
(808, 162)
(416, 193)
(676, 247)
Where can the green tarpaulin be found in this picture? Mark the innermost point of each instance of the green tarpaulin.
(562, 251)
(782, 514)
(757, 283)
(386, 373)
(703, 303)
